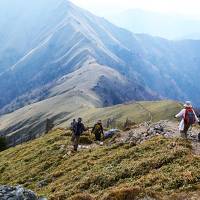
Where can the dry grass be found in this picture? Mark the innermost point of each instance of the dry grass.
(47, 167)
(135, 112)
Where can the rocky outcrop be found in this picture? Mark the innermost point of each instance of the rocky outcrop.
(16, 193)
(143, 133)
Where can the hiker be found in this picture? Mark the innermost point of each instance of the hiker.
(73, 128)
(79, 129)
(188, 118)
(98, 130)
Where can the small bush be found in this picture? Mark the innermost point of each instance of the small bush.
(85, 140)
(57, 174)
(3, 143)
(128, 124)
(67, 133)
(58, 196)
(123, 194)
(82, 197)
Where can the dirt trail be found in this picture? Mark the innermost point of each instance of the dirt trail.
(146, 110)
(166, 128)
(147, 130)
(193, 132)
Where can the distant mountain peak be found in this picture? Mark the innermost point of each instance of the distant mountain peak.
(99, 63)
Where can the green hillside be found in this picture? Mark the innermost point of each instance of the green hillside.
(159, 168)
(137, 112)
(31, 119)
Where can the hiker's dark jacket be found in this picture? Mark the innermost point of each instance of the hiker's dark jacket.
(79, 129)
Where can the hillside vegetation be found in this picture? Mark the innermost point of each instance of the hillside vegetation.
(149, 111)
(31, 119)
(156, 165)
(159, 168)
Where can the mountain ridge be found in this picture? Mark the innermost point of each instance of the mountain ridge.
(80, 48)
(149, 67)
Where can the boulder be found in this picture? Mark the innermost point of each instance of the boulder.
(16, 193)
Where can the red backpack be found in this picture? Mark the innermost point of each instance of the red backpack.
(189, 118)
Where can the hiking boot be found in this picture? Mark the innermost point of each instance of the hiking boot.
(184, 135)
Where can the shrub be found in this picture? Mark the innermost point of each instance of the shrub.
(85, 140)
(123, 194)
(3, 143)
(82, 197)
(128, 124)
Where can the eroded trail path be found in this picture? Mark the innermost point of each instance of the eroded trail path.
(168, 129)
(193, 136)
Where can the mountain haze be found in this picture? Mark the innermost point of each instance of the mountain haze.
(73, 40)
(59, 62)
(169, 26)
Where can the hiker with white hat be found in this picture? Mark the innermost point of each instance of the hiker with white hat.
(189, 118)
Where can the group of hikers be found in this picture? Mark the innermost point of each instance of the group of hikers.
(77, 128)
(187, 115)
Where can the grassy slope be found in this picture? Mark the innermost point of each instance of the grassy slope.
(89, 170)
(165, 166)
(137, 112)
(63, 109)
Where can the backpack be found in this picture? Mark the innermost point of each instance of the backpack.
(73, 126)
(97, 129)
(189, 118)
(79, 128)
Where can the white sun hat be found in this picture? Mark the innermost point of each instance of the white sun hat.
(188, 104)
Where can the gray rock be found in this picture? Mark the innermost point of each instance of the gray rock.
(42, 198)
(16, 193)
(42, 183)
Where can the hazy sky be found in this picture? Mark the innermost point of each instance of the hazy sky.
(106, 7)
